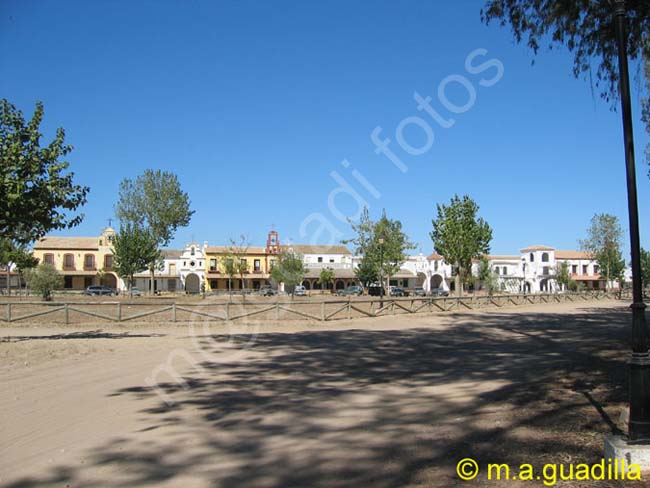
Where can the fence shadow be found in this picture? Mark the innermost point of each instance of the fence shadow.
(379, 408)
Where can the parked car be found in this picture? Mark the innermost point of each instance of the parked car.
(135, 291)
(397, 291)
(375, 290)
(98, 290)
(267, 291)
(419, 292)
(439, 292)
(351, 290)
(300, 291)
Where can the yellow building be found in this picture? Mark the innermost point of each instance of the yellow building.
(259, 261)
(83, 261)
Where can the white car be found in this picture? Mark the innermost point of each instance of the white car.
(300, 291)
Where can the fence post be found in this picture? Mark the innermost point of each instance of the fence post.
(227, 311)
(8, 312)
(119, 311)
(174, 312)
(66, 314)
(277, 309)
(322, 311)
(349, 309)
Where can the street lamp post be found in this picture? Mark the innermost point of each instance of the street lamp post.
(639, 421)
(381, 270)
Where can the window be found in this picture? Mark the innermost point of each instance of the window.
(243, 263)
(171, 284)
(108, 261)
(596, 269)
(545, 257)
(49, 258)
(331, 260)
(504, 270)
(585, 269)
(213, 265)
(574, 269)
(68, 261)
(272, 263)
(109, 237)
(320, 259)
(532, 257)
(546, 270)
(192, 251)
(89, 261)
(257, 265)
(496, 270)
(435, 265)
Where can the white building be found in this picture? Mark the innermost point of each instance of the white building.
(180, 271)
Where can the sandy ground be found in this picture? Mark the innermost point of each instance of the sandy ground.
(393, 401)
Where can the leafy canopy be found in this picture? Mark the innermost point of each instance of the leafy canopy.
(289, 269)
(585, 27)
(155, 202)
(326, 277)
(459, 235)
(603, 243)
(133, 250)
(44, 279)
(645, 267)
(36, 190)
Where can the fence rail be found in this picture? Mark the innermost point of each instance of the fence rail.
(76, 312)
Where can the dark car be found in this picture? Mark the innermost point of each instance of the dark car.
(267, 291)
(97, 290)
(439, 292)
(376, 290)
(351, 290)
(396, 291)
(419, 292)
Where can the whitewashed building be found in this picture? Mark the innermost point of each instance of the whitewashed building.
(181, 270)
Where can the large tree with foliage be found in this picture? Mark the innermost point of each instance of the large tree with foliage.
(13, 255)
(379, 258)
(603, 243)
(134, 249)
(37, 192)
(585, 27)
(155, 202)
(289, 269)
(44, 280)
(459, 235)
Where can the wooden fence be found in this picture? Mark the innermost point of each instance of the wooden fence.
(263, 309)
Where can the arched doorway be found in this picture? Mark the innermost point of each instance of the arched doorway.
(307, 284)
(543, 285)
(110, 280)
(436, 281)
(192, 283)
(527, 287)
(340, 285)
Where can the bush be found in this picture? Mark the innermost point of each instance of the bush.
(44, 280)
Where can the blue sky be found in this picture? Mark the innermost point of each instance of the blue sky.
(255, 104)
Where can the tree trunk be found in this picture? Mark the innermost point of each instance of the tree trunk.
(152, 280)
(8, 283)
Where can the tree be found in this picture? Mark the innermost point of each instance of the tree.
(603, 243)
(15, 255)
(234, 262)
(486, 276)
(367, 272)
(155, 202)
(585, 27)
(44, 279)
(134, 249)
(563, 275)
(367, 244)
(645, 268)
(459, 235)
(392, 253)
(326, 278)
(36, 190)
(289, 270)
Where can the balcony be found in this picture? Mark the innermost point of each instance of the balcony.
(328, 265)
